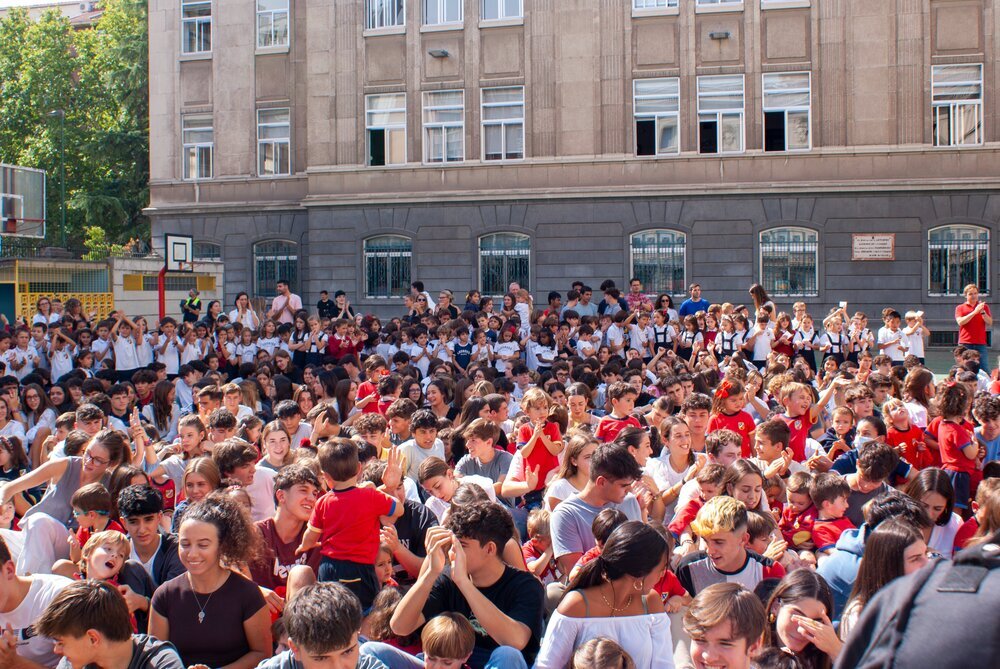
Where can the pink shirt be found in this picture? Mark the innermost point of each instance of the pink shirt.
(293, 301)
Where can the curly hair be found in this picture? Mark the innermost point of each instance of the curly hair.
(239, 542)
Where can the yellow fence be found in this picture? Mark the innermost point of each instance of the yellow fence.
(88, 282)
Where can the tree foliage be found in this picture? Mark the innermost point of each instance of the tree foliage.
(98, 77)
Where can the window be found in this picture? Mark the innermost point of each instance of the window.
(273, 142)
(653, 4)
(656, 103)
(387, 266)
(503, 259)
(503, 123)
(206, 251)
(272, 23)
(384, 14)
(385, 120)
(441, 12)
(658, 260)
(198, 139)
(703, 3)
(444, 126)
(502, 9)
(957, 107)
(786, 112)
(789, 261)
(274, 260)
(720, 114)
(196, 26)
(957, 256)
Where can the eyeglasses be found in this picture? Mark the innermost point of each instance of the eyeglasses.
(421, 299)
(88, 458)
(77, 513)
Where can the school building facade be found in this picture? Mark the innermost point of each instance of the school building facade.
(828, 149)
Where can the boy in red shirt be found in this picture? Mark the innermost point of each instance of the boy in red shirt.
(801, 413)
(92, 509)
(829, 493)
(905, 437)
(537, 550)
(728, 414)
(622, 397)
(375, 368)
(709, 480)
(960, 452)
(799, 514)
(346, 521)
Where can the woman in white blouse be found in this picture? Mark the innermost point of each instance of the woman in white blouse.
(244, 313)
(613, 597)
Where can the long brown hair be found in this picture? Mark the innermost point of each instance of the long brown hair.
(576, 444)
(883, 559)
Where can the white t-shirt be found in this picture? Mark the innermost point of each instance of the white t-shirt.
(504, 348)
(762, 344)
(261, 493)
(62, 361)
(560, 489)
(126, 354)
(943, 536)
(170, 357)
(415, 455)
(640, 337)
(885, 335)
(30, 646)
(916, 342)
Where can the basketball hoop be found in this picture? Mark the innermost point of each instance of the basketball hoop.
(178, 252)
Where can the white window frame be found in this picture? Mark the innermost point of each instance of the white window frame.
(198, 22)
(503, 124)
(379, 12)
(274, 142)
(646, 5)
(386, 128)
(501, 13)
(786, 109)
(368, 255)
(442, 9)
(656, 116)
(760, 260)
(442, 126)
(718, 3)
(720, 114)
(197, 147)
(502, 253)
(272, 14)
(953, 106)
(683, 253)
(980, 245)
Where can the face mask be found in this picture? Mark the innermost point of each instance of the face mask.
(860, 441)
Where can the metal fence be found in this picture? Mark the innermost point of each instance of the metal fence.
(956, 264)
(789, 268)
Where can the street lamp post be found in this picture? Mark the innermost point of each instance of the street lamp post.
(62, 172)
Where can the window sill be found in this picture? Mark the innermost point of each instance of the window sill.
(271, 177)
(784, 4)
(442, 27)
(199, 180)
(445, 165)
(268, 50)
(659, 11)
(658, 156)
(378, 32)
(718, 9)
(501, 23)
(957, 146)
(203, 55)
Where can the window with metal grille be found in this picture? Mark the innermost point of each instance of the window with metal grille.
(385, 123)
(444, 126)
(207, 251)
(957, 104)
(504, 258)
(720, 114)
(198, 138)
(274, 154)
(958, 255)
(656, 105)
(658, 260)
(501, 9)
(387, 266)
(789, 260)
(275, 260)
(384, 14)
(503, 123)
(196, 26)
(272, 23)
(786, 111)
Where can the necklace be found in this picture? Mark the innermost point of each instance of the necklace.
(201, 608)
(611, 605)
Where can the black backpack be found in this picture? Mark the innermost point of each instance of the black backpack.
(946, 616)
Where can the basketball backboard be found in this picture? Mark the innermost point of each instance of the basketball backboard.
(22, 201)
(179, 252)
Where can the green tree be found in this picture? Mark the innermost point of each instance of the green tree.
(98, 77)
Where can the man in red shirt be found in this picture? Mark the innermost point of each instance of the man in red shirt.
(973, 317)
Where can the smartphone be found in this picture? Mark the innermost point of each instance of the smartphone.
(843, 304)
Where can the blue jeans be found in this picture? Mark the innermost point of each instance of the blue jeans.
(984, 355)
(504, 657)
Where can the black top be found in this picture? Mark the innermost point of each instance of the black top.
(147, 653)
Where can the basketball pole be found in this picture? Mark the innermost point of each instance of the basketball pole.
(161, 288)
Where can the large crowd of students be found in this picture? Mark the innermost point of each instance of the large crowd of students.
(582, 483)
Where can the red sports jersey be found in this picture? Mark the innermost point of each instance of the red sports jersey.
(348, 521)
(826, 532)
(952, 438)
(797, 528)
(670, 586)
(799, 427)
(82, 534)
(741, 423)
(609, 427)
(966, 532)
(364, 390)
(540, 456)
(685, 516)
(908, 441)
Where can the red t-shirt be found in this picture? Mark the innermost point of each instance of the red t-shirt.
(364, 390)
(348, 521)
(530, 553)
(909, 440)
(973, 332)
(826, 532)
(540, 456)
(609, 427)
(670, 586)
(82, 534)
(965, 532)
(741, 423)
(952, 438)
(797, 528)
(798, 427)
(685, 516)
(589, 556)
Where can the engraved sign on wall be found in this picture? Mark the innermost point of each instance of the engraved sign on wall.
(873, 246)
